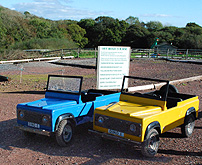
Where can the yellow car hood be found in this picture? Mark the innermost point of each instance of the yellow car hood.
(134, 109)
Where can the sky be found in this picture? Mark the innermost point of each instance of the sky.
(169, 13)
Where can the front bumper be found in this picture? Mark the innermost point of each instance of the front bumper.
(33, 130)
(114, 138)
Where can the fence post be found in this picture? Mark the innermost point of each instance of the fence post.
(141, 53)
(149, 53)
(21, 69)
(187, 54)
(62, 53)
(167, 53)
(63, 71)
(78, 53)
(95, 52)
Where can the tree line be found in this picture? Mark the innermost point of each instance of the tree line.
(27, 31)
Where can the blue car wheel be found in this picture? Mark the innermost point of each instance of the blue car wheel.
(64, 134)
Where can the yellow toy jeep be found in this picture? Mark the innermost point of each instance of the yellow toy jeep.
(141, 116)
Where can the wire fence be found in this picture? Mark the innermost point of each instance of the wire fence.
(167, 53)
(135, 53)
(23, 73)
(79, 53)
(19, 70)
(42, 54)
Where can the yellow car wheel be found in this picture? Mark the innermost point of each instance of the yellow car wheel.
(151, 144)
(188, 127)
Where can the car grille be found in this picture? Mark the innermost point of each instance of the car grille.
(33, 117)
(118, 125)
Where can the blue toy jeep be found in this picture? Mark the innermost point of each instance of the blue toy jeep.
(64, 107)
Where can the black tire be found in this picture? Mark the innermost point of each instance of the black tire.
(150, 145)
(64, 134)
(188, 127)
(29, 134)
(171, 89)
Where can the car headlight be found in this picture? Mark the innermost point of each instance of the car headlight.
(21, 114)
(45, 119)
(101, 119)
(133, 128)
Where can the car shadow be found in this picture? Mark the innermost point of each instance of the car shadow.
(196, 127)
(199, 118)
(174, 152)
(83, 145)
(171, 135)
(200, 115)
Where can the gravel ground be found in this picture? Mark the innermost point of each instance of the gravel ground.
(15, 148)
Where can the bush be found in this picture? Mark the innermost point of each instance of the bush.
(13, 55)
(50, 43)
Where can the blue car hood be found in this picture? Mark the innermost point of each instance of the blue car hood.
(50, 103)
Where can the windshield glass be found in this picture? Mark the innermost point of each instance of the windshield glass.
(64, 84)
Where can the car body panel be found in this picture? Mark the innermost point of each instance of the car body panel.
(143, 110)
(44, 113)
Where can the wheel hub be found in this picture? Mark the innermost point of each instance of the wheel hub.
(190, 127)
(67, 133)
(153, 145)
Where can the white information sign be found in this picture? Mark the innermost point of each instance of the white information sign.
(113, 63)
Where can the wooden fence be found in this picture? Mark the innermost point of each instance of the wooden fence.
(177, 53)
(135, 53)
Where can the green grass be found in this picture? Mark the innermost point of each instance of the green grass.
(35, 82)
(34, 79)
(90, 76)
(87, 55)
(30, 78)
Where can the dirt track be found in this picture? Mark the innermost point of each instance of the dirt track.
(85, 149)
